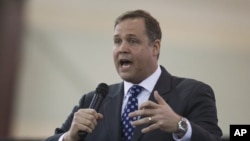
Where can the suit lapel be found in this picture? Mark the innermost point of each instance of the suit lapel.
(163, 86)
(112, 108)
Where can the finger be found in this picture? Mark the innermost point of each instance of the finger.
(158, 98)
(89, 112)
(91, 121)
(86, 120)
(145, 120)
(100, 116)
(88, 129)
(93, 112)
(149, 128)
(148, 105)
(76, 126)
(86, 117)
(90, 124)
(142, 112)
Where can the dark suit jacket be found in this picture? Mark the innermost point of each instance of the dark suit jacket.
(187, 97)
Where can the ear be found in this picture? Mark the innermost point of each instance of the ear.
(156, 48)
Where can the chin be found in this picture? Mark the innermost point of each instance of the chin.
(130, 79)
(126, 77)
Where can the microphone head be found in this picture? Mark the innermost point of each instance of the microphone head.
(102, 89)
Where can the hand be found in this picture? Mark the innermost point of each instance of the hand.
(158, 115)
(84, 120)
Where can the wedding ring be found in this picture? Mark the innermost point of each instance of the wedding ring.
(149, 119)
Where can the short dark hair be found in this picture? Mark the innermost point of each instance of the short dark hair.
(153, 29)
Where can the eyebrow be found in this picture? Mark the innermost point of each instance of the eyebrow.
(128, 35)
(131, 35)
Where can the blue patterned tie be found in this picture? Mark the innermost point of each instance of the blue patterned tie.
(131, 106)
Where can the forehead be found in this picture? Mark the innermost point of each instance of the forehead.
(135, 26)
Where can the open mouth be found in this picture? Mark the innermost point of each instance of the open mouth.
(125, 63)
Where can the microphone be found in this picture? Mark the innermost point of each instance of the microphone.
(100, 93)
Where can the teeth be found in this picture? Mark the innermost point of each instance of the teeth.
(125, 63)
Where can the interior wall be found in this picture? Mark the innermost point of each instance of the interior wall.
(68, 52)
(10, 34)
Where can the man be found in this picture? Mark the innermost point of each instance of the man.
(169, 108)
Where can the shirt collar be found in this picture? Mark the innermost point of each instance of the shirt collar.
(148, 83)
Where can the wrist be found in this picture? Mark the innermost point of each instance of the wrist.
(67, 137)
(182, 127)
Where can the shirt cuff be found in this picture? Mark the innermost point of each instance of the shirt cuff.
(187, 135)
(61, 138)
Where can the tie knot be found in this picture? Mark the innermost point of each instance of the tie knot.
(135, 90)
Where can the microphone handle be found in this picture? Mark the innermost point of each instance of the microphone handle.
(82, 134)
(95, 104)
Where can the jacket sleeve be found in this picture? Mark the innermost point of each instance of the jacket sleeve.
(202, 114)
(64, 128)
(84, 102)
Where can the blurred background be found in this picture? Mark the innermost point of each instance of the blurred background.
(54, 51)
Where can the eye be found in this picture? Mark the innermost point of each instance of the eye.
(117, 41)
(132, 41)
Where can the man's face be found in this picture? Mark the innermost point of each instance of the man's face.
(135, 57)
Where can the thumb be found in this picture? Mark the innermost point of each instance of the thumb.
(99, 116)
(158, 98)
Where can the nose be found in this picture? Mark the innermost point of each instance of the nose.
(124, 48)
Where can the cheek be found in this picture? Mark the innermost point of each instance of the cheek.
(114, 52)
(115, 55)
(141, 61)
(145, 59)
